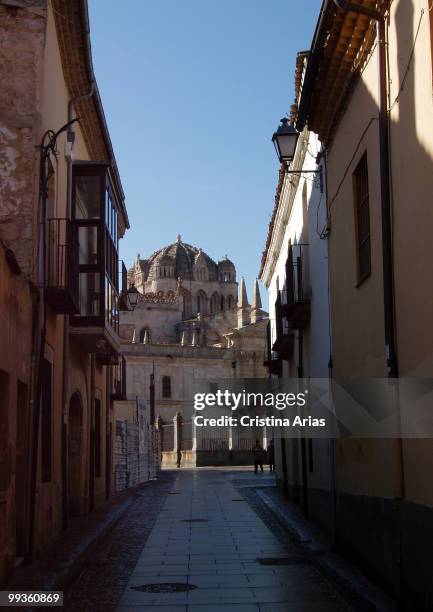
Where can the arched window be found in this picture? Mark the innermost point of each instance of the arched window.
(222, 303)
(201, 302)
(186, 304)
(166, 386)
(230, 302)
(215, 303)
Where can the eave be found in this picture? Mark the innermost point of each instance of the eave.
(341, 46)
(72, 27)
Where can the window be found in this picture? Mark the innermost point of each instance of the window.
(201, 302)
(46, 421)
(215, 302)
(362, 212)
(97, 437)
(95, 217)
(166, 386)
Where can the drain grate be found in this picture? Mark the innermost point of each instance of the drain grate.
(295, 560)
(196, 520)
(165, 587)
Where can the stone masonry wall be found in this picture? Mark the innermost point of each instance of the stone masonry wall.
(132, 466)
(21, 57)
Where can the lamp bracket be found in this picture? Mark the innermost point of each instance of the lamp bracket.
(318, 171)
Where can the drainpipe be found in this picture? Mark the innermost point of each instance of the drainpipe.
(387, 254)
(65, 381)
(385, 189)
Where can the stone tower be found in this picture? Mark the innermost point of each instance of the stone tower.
(244, 309)
(257, 314)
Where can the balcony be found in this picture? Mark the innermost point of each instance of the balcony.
(284, 341)
(95, 214)
(272, 360)
(297, 307)
(119, 381)
(61, 267)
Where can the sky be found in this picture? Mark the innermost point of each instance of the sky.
(193, 91)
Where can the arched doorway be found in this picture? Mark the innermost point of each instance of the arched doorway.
(75, 453)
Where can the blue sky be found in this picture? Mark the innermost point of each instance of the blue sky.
(192, 91)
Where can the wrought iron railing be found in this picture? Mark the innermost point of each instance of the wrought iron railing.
(61, 266)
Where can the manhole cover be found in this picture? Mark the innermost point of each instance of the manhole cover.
(281, 560)
(165, 587)
(197, 520)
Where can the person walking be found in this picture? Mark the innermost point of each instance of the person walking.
(271, 456)
(258, 457)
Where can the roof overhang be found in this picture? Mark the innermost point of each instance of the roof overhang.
(341, 45)
(73, 33)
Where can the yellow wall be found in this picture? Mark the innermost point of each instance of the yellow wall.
(375, 467)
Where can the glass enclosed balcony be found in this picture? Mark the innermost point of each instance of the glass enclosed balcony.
(95, 220)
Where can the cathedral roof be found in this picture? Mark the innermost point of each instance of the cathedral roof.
(184, 257)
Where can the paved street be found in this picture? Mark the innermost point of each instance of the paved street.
(204, 540)
(209, 542)
(197, 540)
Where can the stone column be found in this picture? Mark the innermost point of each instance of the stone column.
(177, 437)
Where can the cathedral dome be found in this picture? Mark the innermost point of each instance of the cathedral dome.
(183, 257)
(226, 270)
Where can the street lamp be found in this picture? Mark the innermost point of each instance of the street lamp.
(285, 141)
(133, 296)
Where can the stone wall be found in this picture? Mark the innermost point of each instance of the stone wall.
(135, 462)
(21, 59)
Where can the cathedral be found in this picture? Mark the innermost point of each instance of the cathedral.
(193, 322)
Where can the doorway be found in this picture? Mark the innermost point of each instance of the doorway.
(75, 455)
(22, 432)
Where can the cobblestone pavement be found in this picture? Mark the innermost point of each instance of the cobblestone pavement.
(103, 580)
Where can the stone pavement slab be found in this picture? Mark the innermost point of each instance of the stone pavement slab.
(211, 544)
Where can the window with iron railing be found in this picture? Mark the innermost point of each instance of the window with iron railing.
(296, 304)
(61, 266)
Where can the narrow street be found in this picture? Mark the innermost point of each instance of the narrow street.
(201, 540)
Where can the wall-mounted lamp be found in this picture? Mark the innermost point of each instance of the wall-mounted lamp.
(133, 295)
(285, 140)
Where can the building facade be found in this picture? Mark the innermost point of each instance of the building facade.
(189, 326)
(295, 272)
(62, 214)
(367, 95)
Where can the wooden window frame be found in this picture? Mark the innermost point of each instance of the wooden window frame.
(362, 166)
(107, 265)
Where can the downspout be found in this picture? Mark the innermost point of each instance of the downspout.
(385, 189)
(65, 381)
(386, 214)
